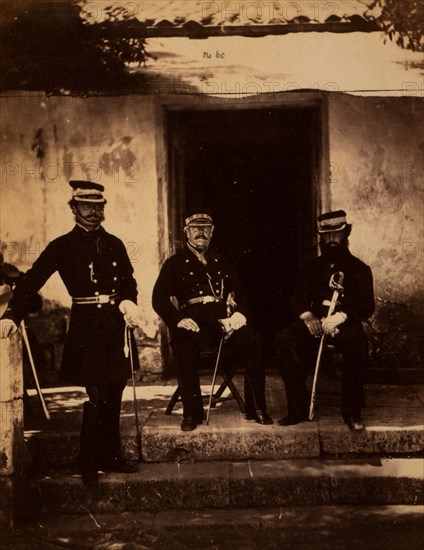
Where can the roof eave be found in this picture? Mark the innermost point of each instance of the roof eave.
(194, 30)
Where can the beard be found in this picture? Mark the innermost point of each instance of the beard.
(333, 251)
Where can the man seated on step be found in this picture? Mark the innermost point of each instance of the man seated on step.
(201, 278)
(297, 344)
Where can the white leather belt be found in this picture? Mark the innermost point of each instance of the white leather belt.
(202, 300)
(100, 299)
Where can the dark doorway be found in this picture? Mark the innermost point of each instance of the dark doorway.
(255, 168)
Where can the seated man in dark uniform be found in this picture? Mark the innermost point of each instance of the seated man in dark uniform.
(297, 345)
(201, 279)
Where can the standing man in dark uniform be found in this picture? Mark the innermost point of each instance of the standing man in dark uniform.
(97, 273)
(297, 344)
(201, 279)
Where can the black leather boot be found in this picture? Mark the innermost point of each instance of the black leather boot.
(109, 456)
(87, 460)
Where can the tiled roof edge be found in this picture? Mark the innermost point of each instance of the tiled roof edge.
(194, 29)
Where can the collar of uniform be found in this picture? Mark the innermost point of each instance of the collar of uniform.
(200, 255)
(79, 230)
(86, 230)
(185, 252)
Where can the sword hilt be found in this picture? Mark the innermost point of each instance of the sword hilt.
(336, 281)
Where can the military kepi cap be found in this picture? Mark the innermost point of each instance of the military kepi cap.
(332, 221)
(198, 216)
(87, 191)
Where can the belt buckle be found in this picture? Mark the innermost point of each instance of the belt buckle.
(103, 299)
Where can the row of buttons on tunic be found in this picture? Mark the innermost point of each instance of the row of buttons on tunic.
(189, 260)
(216, 284)
(95, 281)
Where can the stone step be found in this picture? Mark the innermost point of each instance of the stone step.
(230, 484)
(394, 421)
(304, 528)
(230, 437)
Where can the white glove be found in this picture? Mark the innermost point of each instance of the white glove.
(330, 324)
(188, 324)
(130, 312)
(7, 328)
(312, 323)
(236, 321)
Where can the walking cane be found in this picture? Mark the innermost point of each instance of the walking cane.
(129, 352)
(231, 304)
(336, 286)
(34, 372)
(218, 355)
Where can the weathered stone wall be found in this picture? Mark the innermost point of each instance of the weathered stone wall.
(48, 140)
(374, 146)
(376, 151)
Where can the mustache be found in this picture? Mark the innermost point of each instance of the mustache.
(93, 215)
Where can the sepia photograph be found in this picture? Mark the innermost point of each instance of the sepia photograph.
(211, 274)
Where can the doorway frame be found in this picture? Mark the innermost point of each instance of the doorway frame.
(321, 170)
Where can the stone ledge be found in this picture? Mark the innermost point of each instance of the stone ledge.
(302, 482)
(394, 420)
(228, 437)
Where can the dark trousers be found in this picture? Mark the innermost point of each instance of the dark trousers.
(246, 344)
(100, 440)
(296, 351)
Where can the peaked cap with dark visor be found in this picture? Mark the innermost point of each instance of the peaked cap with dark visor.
(332, 221)
(198, 216)
(87, 191)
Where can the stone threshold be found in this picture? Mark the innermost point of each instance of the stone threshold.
(300, 482)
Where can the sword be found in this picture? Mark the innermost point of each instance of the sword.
(128, 352)
(336, 286)
(218, 355)
(231, 304)
(34, 372)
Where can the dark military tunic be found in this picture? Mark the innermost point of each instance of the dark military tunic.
(90, 264)
(312, 288)
(185, 277)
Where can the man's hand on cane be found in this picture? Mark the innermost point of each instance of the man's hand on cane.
(234, 322)
(330, 324)
(130, 312)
